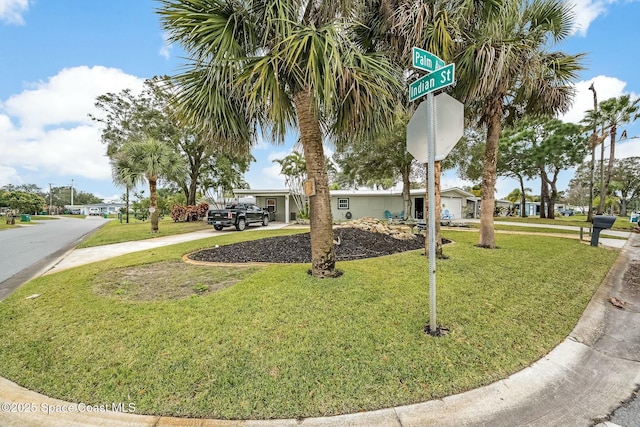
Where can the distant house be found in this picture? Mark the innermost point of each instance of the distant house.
(95, 208)
(352, 204)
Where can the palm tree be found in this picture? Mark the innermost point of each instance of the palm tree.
(279, 65)
(149, 160)
(616, 112)
(503, 68)
(294, 169)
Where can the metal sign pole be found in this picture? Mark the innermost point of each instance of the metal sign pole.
(431, 194)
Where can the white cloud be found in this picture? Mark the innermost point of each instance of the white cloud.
(67, 97)
(272, 178)
(9, 175)
(11, 11)
(165, 49)
(586, 11)
(606, 87)
(628, 148)
(277, 155)
(261, 144)
(46, 128)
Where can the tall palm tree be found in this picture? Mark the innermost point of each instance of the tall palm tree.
(280, 65)
(503, 68)
(616, 112)
(149, 160)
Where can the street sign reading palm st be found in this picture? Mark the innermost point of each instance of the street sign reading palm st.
(425, 61)
(440, 78)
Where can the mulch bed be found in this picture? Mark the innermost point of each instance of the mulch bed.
(354, 244)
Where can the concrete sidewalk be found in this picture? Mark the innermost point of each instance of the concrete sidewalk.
(577, 384)
(603, 240)
(83, 256)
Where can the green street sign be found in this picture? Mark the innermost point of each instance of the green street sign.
(440, 78)
(426, 61)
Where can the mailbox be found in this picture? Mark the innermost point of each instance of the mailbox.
(600, 222)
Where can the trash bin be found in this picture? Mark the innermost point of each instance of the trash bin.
(25, 218)
(634, 217)
(105, 215)
(600, 222)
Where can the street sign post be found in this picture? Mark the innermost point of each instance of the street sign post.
(440, 78)
(425, 61)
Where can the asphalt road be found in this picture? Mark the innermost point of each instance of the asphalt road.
(26, 250)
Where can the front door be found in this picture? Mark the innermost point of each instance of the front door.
(419, 208)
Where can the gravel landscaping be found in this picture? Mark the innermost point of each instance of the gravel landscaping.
(353, 244)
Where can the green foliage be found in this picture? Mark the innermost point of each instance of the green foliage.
(128, 116)
(22, 201)
(541, 147)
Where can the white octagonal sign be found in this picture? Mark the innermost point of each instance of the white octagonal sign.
(449, 128)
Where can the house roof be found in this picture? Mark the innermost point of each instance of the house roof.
(355, 193)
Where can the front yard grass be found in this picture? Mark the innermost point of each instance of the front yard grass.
(279, 343)
(115, 232)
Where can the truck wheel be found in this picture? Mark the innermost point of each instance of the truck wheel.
(241, 224)
(265, 221)
(217, 227)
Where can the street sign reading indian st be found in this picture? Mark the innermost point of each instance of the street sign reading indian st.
(440, 78)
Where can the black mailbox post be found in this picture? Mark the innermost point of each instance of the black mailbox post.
(600, 222)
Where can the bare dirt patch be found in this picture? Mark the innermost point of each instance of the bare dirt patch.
(168, 280)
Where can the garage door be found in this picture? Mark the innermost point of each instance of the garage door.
(453, 205)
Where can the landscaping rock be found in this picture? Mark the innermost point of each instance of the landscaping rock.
(374, 225)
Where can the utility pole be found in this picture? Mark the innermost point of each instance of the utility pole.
(594, 139)
(50, 197)
(603, 191)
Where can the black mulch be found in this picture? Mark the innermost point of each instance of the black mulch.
(354, 244)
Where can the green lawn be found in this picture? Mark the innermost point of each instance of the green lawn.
(116, 232)
(279, 343)
(4, 225)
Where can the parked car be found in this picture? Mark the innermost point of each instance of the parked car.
(94, 211)
(566, 212)
(239, 215)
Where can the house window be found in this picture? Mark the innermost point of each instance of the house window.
(343, 203)
(271, 205)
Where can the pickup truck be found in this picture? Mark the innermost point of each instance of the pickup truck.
(239, 215)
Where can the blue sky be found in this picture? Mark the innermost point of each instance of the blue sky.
(57, 56)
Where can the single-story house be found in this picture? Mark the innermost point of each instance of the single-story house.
(352, 204)
(95, 208)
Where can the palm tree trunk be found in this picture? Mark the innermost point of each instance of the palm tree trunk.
(153, 203)
(544, 196)
(406, 187)
(603, 190)
(437, 170)
(193, 186)
(323, 261)
(487, 232)
(523, 198)
(612, 154)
